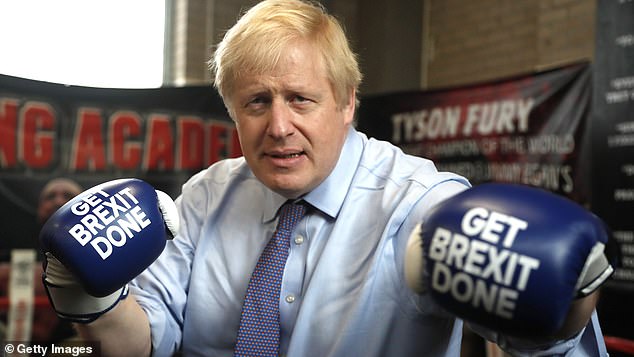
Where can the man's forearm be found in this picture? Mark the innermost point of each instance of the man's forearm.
(578, 316)
(123, 331)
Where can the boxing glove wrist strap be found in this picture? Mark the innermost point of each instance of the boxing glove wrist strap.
(69, 299)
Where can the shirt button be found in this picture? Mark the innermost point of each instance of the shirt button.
(290, 298)
(299, 239)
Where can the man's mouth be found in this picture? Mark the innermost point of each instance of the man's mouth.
(287, 156)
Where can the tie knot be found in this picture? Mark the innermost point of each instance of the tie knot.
(290, 214)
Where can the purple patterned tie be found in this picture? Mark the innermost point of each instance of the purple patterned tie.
(259, 331)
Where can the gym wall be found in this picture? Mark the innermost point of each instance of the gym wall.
(474, 41)
(411, 44)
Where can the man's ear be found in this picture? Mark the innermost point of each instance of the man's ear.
(350, 107)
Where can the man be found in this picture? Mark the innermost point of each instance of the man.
(47, 327)
(289, 81)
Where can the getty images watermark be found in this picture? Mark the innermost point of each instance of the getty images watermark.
(75, 349)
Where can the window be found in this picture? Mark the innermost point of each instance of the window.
(113, 43)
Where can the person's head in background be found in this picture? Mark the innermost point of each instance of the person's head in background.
(54, 195)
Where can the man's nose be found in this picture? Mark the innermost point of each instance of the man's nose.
(280, 120)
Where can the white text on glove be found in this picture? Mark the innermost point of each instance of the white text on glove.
(115, 217)
(485, 274)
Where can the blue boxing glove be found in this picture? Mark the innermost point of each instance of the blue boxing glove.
(99, 241)
(508, 257)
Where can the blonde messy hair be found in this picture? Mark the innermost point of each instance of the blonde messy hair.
(256, 42)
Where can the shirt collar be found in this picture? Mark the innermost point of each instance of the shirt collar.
(272, 204)
(328, 197)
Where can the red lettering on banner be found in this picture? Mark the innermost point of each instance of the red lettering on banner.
(191, 140)
(125, 140)
(28, 134)
(217, 142)
(88, 151)
(159, 153)
(223, 141)
(8, 128)
(37, 134)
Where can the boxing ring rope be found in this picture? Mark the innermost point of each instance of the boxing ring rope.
(618, 344)
(39, 302)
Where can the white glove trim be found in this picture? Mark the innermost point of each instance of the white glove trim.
(68, 297)
(596, 270)
(73, 303)
(169, 211)
(414, 261)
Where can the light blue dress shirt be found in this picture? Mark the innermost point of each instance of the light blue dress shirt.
(343, 291)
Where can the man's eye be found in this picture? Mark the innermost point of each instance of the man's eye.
(257, 101)
(300, 99)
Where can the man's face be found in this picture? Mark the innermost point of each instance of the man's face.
(290, 127)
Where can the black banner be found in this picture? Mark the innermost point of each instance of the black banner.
(613, 129)
(613, 157)
(529, 130)
(94, 135)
